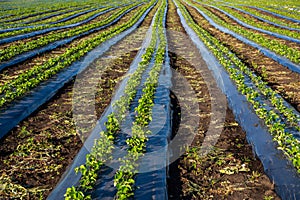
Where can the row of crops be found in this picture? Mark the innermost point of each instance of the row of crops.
(258, 93)
(124, 178)
(44, 46)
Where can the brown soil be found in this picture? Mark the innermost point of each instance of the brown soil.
(35, 154)
(233, 22)
(279, 78)
(269, 14)
(230, 171)
(12, 72)
(259, 21)
(101, 17)
(27, 16)
(59, 17)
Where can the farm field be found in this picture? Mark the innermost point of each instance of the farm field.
(150, 99)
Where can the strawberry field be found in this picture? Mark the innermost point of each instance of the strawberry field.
(150, 99)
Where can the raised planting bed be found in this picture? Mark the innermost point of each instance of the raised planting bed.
(285, 189)
(54, 125)
(18, 111)
(157, 99)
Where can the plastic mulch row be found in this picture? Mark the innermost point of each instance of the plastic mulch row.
(27, 55)
(277, 167)
(277, 15)
(47, 30)
(259, 29)
(283, 61)
(265, 20)
(21, 109)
